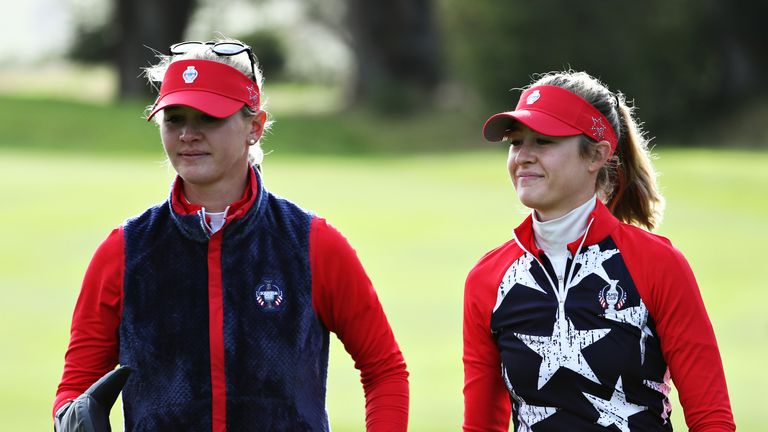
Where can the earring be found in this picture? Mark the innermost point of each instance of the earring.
(252, 141)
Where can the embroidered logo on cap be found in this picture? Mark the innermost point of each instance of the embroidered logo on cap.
(189, 75)
(533, 97)
(253, 95)
(269, 296)
(598, 127)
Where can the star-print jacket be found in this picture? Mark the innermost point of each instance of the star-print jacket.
(597, 350)
(230, 330)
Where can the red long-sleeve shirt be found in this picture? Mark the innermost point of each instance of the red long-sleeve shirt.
(510, 313)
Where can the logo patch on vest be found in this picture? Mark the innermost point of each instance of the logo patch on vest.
(269, 296)
(612, 297)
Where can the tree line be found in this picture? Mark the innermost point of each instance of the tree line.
(684, 62)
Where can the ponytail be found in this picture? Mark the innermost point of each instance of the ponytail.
(627, 182)
(634, 196)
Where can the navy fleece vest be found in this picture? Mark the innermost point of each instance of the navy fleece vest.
(276, 348)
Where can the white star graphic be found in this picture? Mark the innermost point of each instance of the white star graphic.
(663, 388)
(616, 411)
(563, 349)
(636, 316)
(518, 273)
(592, 262)
(527, 415)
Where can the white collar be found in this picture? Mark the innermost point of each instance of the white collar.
(217, 219)
(554, 235)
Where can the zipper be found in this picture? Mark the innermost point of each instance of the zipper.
(561, 288)
(204, 222)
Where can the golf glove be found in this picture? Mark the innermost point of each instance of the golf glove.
(90, 411)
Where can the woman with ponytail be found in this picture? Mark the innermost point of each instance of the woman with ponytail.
(584, 318)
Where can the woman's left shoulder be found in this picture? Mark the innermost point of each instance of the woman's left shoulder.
(630, 238)
(326, 238)
(635, 233)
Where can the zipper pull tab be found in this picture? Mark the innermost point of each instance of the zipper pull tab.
(560, 284)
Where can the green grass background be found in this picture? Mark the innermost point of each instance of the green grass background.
(70, 172)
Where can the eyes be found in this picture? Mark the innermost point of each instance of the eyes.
(172, 119)
(178, 118)
(516, 140)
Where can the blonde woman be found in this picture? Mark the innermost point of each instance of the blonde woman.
(220, 300)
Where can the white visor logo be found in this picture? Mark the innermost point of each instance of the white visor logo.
(189, 75)
(533, 97)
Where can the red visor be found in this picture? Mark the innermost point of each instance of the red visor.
(552, 111)
(214, 88)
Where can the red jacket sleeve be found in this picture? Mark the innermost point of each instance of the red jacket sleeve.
(347, 304)
(486, 400)
(93, 342)
(668, 287)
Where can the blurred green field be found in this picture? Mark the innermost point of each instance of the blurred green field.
(418, 222)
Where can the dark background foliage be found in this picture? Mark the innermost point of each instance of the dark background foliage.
(694, 68)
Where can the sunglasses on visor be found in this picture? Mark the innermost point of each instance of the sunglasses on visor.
(220, 48)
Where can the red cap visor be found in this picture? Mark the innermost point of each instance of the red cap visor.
(210, 103)
(497, 126)
(552, 111)
(214, 88)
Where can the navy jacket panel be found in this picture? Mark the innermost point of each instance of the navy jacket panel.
(164, 327)
(275, 341)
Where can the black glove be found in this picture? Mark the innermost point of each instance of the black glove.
(90, 411)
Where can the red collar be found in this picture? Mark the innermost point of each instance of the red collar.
(603, 223)
(236, 210)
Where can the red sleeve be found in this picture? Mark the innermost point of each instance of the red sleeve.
(347, 304)
(668, 287)
(93, 338)
(486, 400)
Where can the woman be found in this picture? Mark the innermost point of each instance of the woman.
(581, 321)
(221, 299)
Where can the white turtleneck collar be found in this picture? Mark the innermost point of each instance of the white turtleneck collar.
(554, 235)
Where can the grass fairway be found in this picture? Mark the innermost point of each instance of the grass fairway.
(418, 224)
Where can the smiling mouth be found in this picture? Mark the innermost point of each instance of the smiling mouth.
(529, 176)
(193, 154)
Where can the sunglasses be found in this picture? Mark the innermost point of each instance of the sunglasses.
(220, 48)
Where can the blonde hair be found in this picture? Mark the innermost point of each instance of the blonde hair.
(241, 62)
(627, 183)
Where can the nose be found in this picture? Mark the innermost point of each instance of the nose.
(523, 153)
(189, 132)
